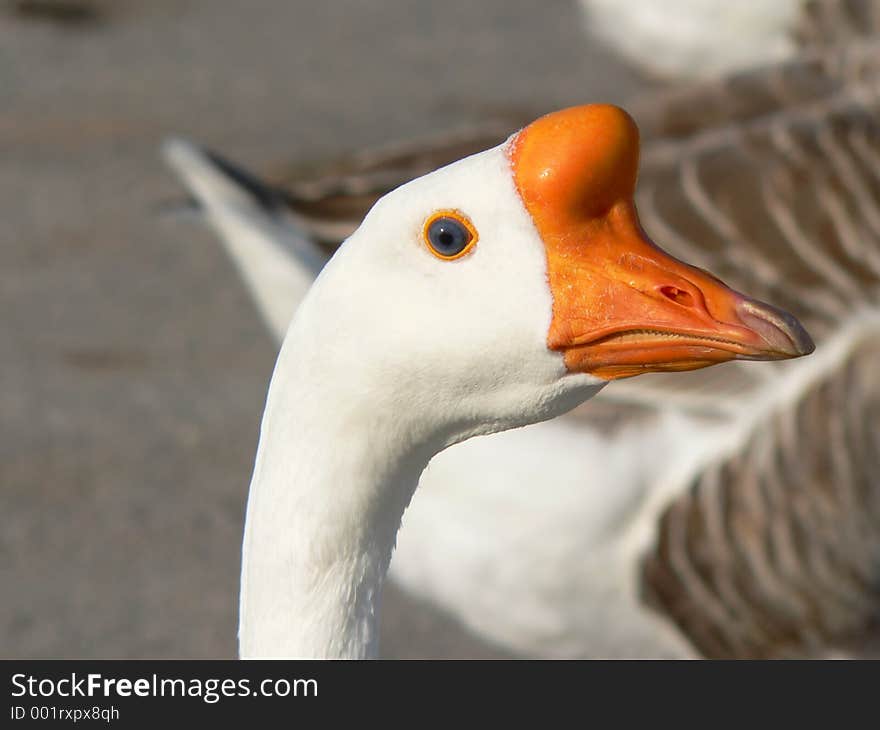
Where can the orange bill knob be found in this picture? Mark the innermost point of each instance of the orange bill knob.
(621, 305)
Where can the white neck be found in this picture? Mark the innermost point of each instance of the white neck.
(391, 357)
(334, 473)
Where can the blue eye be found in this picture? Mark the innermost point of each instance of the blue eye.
(449, 235)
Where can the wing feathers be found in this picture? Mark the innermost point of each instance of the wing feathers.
(785, 534)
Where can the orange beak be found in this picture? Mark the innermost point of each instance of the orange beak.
(621, 305)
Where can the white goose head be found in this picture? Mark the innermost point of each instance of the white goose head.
(501, 290)
(508, 286)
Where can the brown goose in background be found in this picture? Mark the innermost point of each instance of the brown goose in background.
(775, 550)
(763, 538)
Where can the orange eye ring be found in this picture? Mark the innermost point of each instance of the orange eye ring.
(449, 234)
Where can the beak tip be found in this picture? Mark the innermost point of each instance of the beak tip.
(782, 332)
(806, 345)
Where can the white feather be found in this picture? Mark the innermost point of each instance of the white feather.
(695, 38)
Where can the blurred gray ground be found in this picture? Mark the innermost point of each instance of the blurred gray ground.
(133, 364)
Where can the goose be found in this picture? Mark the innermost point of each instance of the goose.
(501, 290)
(702, 39)
(599, 541)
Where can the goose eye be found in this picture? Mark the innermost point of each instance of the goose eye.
(449, 234)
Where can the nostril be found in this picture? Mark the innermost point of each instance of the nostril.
(679, 296)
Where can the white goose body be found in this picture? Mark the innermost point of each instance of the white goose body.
(581, 510)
